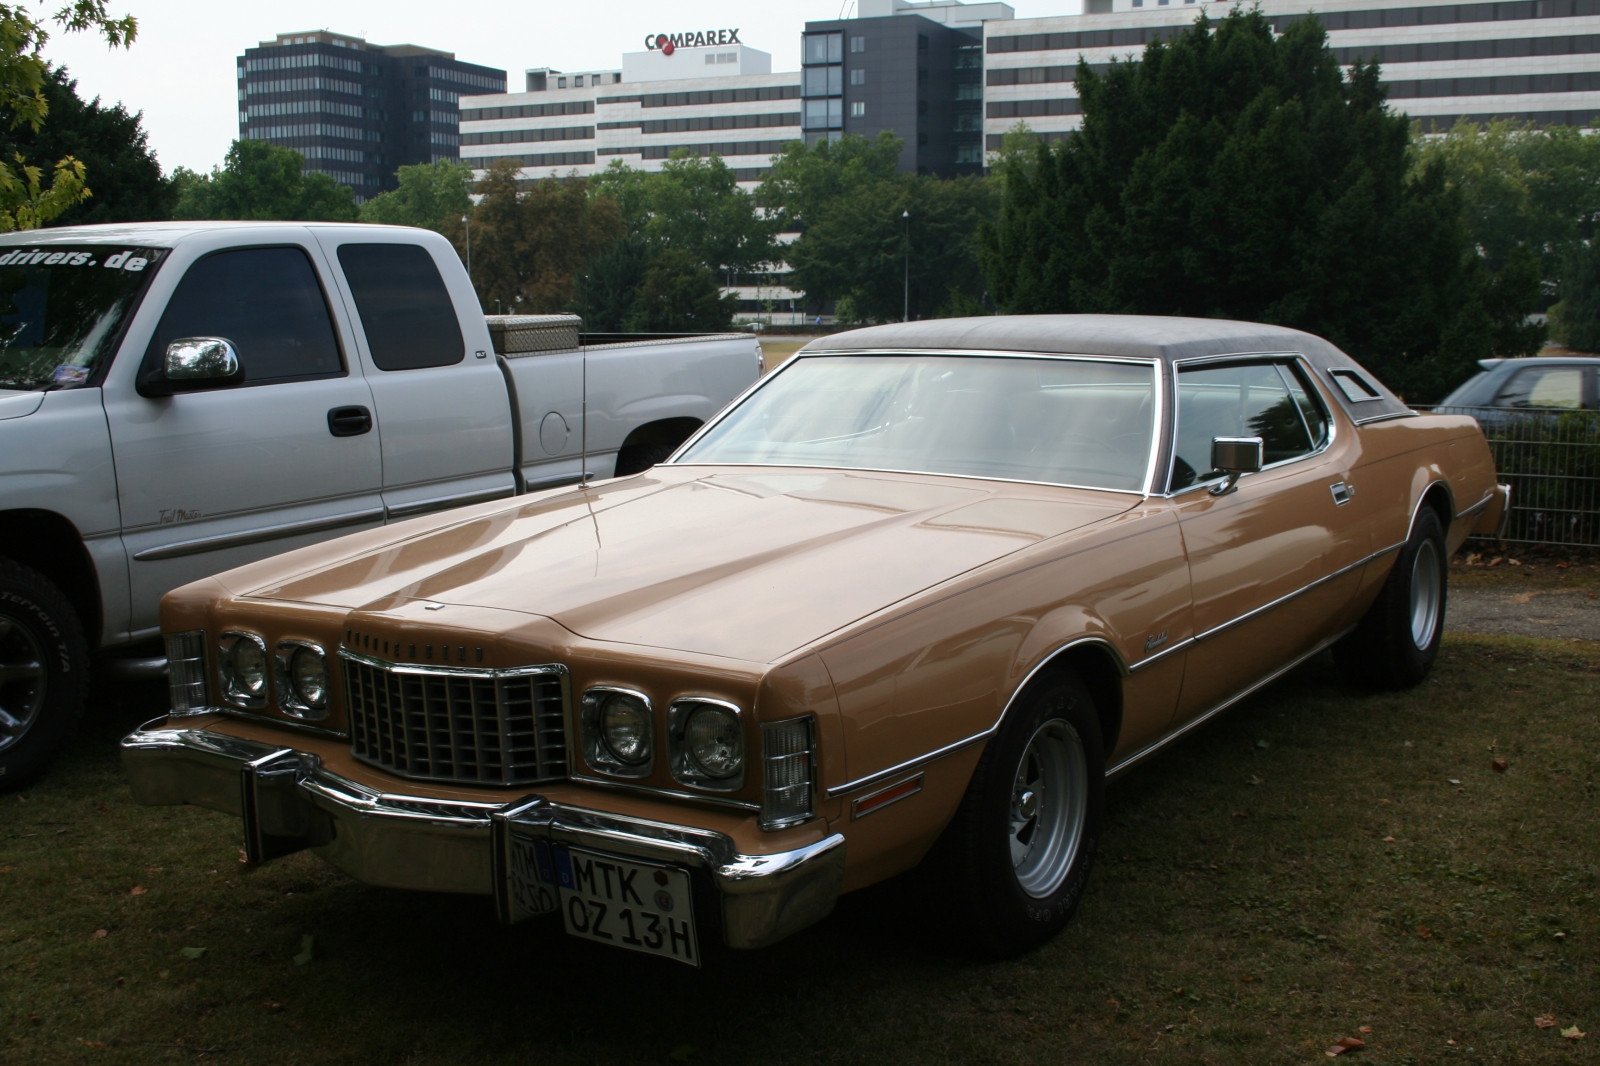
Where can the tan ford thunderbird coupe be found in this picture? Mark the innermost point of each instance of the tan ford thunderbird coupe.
(915, 597)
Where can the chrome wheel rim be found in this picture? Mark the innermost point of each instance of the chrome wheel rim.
(1049, 802)
(1426, 589)
(22, 681)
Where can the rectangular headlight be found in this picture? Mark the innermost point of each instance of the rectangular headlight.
(186, 671)
(786, 763)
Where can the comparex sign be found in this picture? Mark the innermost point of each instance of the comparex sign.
(667, 43)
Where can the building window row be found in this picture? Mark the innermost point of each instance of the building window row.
(1500, 85)
(290, 85)
(311, 129)
(823, 48)
(345, 177)
(342, 155)
(1442, 51)
(447, 118)
(480, 81)
(448, 140)
(444, 96)
(306, 59)
(664, 151)
(1034, 108)
(708, 96)
(1581, 119)
(705, 122)
(566, 107)
(559, 133)
(823, 114)
(823, 81)
(304, 107)
(546, 159)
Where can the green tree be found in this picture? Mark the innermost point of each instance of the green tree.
(260, 181)
(1235, 173)
(430, 195)
(679, 295)
(695, 206)
(112, 145)
(25, 201)
(530, 243)
(609, 284)
(808, 180)
(1577, 316)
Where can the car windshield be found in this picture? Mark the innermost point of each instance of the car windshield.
(1060, 421)
(62, 307)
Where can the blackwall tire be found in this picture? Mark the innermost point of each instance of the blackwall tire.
(1395, 644)
(44, 673)
(1016, 857)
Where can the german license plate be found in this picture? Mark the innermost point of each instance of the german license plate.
(533, 878)
(627, 904)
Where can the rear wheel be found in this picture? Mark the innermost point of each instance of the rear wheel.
(44, 670)
(1018, 852)
(1396, 643)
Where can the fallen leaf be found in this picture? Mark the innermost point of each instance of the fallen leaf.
(98, 934)
(194, 953)
(94, 1044)
(305, 951)
(33, 1018)
(5, 870)
(1263, 743)
(1453, 781)
(1365, 1029)
(1545, 1021)
(1424, 932)
(272, 1007)
(1574, 1033)
(1241, 814)
(1499, 766)
(1351, 1043)
(1514, 562)
(1563, 565)
(1334, 1051)
(1561, 936)
(137, 890)
(1452, 1043)
(1496, 561)
(1251, 780)
(1388, 840)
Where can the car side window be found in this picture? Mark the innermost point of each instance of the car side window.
(1243, 400)
(405, 309)
(267, 302)
(1544, 386)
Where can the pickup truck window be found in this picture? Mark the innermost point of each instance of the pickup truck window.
(268, 302)
(62, 310)
(405, 309)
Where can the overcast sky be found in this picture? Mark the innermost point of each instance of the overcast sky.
(180, 72)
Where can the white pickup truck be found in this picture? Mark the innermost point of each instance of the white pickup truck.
(177, 399)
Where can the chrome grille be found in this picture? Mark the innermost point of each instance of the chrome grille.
(489, 727)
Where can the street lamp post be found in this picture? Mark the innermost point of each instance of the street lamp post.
(905, 315)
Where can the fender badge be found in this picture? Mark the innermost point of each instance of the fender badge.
(1154, 641)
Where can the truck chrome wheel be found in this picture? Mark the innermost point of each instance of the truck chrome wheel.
(1049, 802)
(22, 681)
(1425, 594)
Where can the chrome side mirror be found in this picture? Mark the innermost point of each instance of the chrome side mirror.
(191, 364)
(1234, 456)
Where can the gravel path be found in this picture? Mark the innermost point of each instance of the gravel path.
(1525, 612)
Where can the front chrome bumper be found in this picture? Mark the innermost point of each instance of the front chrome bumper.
(289, 802)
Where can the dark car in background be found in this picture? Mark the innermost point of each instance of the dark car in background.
(1549, 382)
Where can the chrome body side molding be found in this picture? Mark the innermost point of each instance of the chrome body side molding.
(257, 536)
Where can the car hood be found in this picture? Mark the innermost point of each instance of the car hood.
(17, 404)
(738, 563)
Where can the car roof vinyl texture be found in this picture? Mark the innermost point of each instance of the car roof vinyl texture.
(1136, 336)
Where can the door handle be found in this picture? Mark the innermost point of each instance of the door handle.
(349, 421)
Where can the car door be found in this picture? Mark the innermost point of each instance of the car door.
(444, 411)
(1274, 563)
(207, 481)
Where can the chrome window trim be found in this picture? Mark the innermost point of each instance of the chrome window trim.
(1333, 423)
(231, 697)
(289, 701)
(834, 792)
(591, 737)
(688, 773)
(1156, 413)
(1386, 418)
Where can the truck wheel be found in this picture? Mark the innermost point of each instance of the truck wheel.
(44, 672)
(1017, 855)
(1395, 644)
(637, 458)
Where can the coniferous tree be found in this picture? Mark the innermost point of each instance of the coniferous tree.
(1234, 173)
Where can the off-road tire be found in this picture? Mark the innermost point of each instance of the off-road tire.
(972, 866)
(32, 604)
(1382, 651)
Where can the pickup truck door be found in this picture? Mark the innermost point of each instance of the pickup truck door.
(1273, 564)
(444, 412)
(211, 480)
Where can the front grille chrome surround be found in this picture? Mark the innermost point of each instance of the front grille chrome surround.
(458, 724)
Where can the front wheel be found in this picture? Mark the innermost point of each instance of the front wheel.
(1398, 639)
(44, 670)
(1017, 854)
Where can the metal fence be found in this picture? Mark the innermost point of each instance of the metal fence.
(1551, 460)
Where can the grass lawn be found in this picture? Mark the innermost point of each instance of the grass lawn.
(1249, 908)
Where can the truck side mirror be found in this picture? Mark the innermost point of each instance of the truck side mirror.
(193, 364)
(1234, 456)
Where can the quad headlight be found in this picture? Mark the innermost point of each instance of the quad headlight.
(618, 731)
(303, 682)
(243, 658)
(707, 743)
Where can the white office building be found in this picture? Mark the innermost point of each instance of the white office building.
(1529, 60)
